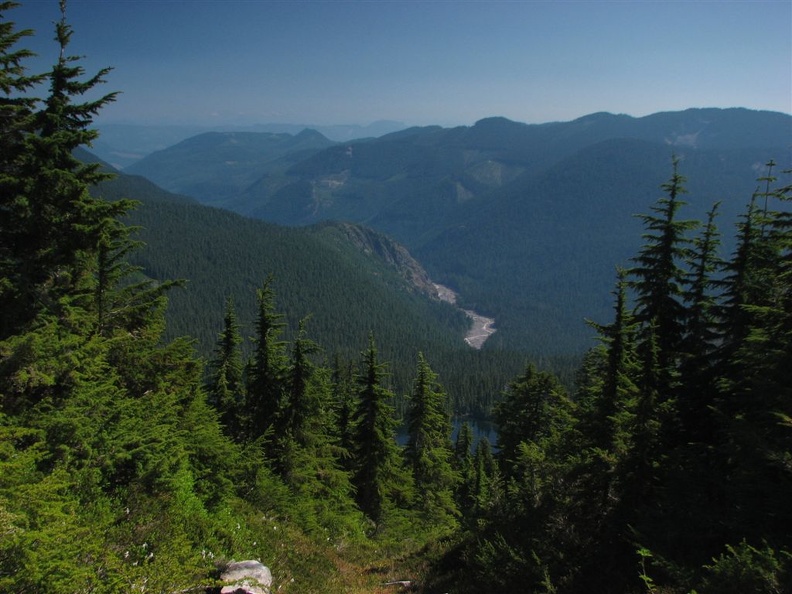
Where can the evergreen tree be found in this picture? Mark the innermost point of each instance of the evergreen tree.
(464, 466)
(682, 427)
(54, 223)
(527, 411)
(644, 423)
(344, 398)
(748, 274)
(266, 372)
(303, 400)
(428, 451)
(617, 387)
(225, 388)
(701, 335)
(659, 279)
(380, 479)
(306, 450)
(302, 403)
(607, 395)
(17, 122)
(755, 393)
(704, 266)
(16, 106)
(485, 490)
(104, 431)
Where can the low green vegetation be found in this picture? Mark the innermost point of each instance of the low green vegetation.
(128, 463)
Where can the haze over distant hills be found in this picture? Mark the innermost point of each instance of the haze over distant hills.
(123, 144)
(527, 222)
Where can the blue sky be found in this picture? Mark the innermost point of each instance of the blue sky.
(441, 62)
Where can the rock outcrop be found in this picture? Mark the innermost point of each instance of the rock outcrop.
(391, 253)
(246, 577)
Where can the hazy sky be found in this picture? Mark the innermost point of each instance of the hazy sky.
(423, 62)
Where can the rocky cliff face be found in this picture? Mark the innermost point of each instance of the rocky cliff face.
(391, 253)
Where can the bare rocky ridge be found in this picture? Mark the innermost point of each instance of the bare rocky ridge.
(398, 257)
(392, 253)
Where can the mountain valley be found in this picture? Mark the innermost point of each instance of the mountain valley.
(525, 222)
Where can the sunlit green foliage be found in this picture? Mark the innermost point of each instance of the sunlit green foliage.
(126, 464)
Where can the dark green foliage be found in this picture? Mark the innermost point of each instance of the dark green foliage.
(529, 411)
(658, 279)
(380, 480)
(428, 451)
(680, 428)
(117, 475)
(226, 383)
(344, 398)
(316, 272)
(486, 490)
(306, 451)
(50, 221)
(265, 393)
(743, 568)
(463, 464)
(17, 120)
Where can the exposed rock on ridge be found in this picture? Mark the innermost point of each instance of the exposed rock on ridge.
(391, 253)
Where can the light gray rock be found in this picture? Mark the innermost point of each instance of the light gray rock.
(246, 577)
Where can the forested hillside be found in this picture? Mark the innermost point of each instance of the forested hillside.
(125, 464)
(346, 280)
(667, 469)
(525, 221)
(128, 463)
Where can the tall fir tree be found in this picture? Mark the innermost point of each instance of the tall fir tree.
(658, 278)
(755, 393)
(267, 370)
(701, 338)
(380, 479)
(527, 411)
(344, 398)
(104, 432)
(17, 123)
(617, 387)
(303, 399)
(55, 223)
(428, 451)
(463, 464)
(748, 274)
(225, 387)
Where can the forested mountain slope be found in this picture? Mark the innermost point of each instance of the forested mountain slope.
(542, 256)
(525, 221)
(216, 165)
(347, 280)
(128, 464)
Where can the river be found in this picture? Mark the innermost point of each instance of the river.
(481, 327)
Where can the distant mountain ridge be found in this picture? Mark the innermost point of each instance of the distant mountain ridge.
(123, 144)
(525, 221)
(216, 165)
